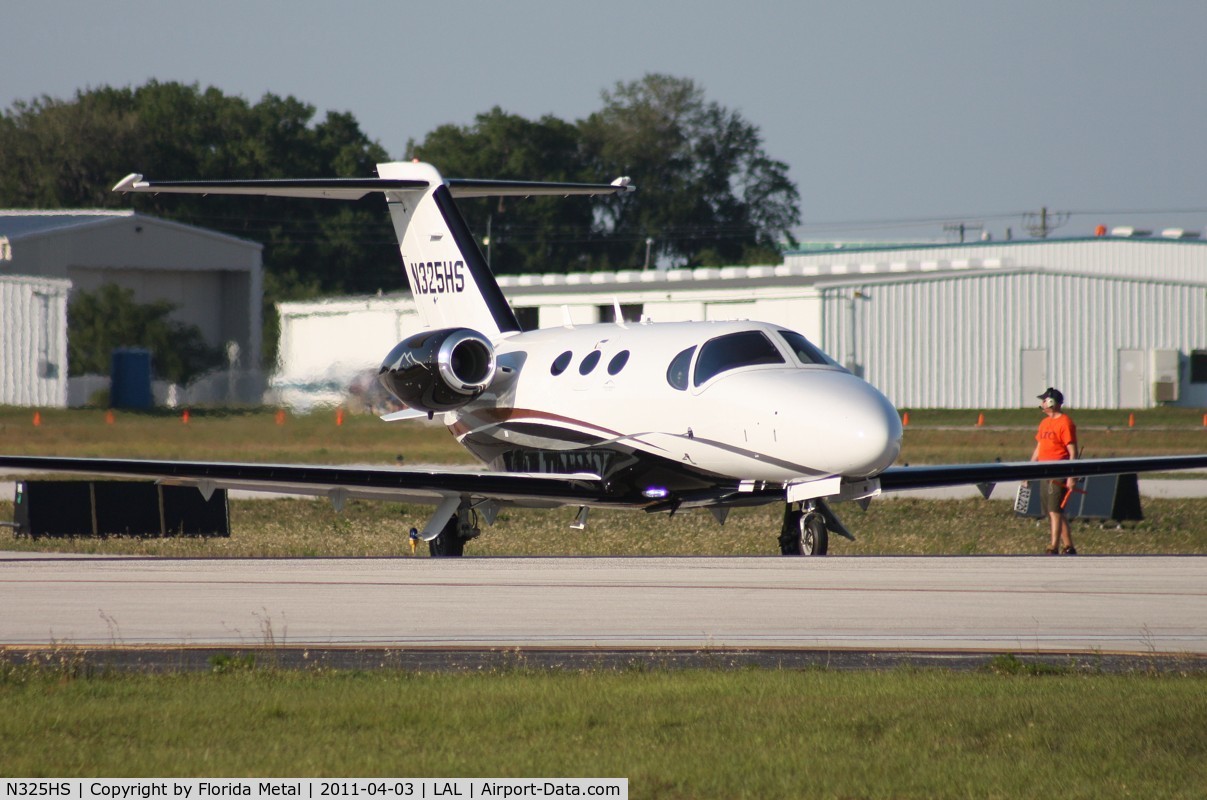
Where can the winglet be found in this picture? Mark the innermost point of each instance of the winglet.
(128, 183)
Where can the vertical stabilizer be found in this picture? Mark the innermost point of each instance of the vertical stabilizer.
(452, 284)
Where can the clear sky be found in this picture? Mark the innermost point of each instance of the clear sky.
(885, 111)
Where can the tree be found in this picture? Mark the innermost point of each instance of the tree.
(69, 153)
(100, 322)
(537, 234)
(708, 193)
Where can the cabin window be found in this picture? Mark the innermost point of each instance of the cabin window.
(560, 363)
(589, 362)
(735, 350)
(618, 361)
(676, 373)
(805, 351)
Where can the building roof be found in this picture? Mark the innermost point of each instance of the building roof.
(15, 224)
(830, 249)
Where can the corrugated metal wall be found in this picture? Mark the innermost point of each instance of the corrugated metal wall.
(956, 340)
(1153, 258)
(33, 342)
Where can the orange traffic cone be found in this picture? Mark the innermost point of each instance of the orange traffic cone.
(185, 417)
(37, 419)
(339, 416)
(109, 418)
(280, 416)
(980, 420)
(905, 418)
(1131, 420)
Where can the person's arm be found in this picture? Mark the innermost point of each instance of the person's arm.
(1072, 448)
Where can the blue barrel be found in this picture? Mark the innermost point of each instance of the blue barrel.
(130, 379)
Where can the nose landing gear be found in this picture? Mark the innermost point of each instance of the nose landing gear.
(807, 527)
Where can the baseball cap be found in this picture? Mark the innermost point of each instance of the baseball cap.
(1053, 394)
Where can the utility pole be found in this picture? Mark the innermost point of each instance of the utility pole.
(960, 228)
(1041, 224)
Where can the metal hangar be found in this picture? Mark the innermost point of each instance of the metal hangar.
(1114, 322)
(215, 280)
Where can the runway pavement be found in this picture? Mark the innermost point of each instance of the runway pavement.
(1019, 604)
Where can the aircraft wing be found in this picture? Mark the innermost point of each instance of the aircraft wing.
(339, 483)
(895, 479)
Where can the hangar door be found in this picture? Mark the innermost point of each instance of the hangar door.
(1033, 376)
(1131, 379)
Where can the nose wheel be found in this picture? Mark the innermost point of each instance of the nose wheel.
(804, 532)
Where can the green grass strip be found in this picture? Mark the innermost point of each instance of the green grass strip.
(674, 734)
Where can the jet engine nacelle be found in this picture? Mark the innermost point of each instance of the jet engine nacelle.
(439, 370)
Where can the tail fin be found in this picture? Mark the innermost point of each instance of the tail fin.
(452, 284)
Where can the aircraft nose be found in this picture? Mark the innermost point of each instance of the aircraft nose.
(867, 430)
(851, 428)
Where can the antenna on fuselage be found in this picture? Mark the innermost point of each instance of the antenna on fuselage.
(618, 315)
(567, 320)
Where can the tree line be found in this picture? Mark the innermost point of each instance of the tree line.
(708, 193)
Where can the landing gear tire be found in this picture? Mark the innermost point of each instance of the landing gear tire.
(449, 543)
(814, 538)
(804, 533)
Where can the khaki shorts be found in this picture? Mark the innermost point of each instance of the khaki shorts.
(1051, 494)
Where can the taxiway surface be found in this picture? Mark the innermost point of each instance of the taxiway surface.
(1018, 604)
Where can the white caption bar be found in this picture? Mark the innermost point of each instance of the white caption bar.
(311, 788)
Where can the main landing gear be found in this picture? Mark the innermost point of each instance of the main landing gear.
(460, 528)
(807, 527)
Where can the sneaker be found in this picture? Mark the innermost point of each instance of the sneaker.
(1070, 551)
(1051, 551)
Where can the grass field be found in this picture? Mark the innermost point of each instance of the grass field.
(933, 436)
(288, 527)
(685, 734)
(306, 528)
(1012, 731)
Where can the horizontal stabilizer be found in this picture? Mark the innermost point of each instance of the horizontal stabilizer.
(356, 188)
(318, 188)
(472, 187)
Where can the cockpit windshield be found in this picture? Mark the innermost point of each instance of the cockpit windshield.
(806, 352)
(734, 350)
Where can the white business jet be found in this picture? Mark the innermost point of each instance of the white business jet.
(638, 415)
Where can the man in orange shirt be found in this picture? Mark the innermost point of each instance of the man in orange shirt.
(1056, 441)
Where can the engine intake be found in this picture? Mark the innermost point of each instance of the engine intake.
(439, 370)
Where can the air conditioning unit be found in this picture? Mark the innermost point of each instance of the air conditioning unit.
(1166, 375)
(1165, 391)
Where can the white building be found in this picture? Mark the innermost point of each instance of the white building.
(1113, 322)
(327, 346)
(214, 280)
(33, 341)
